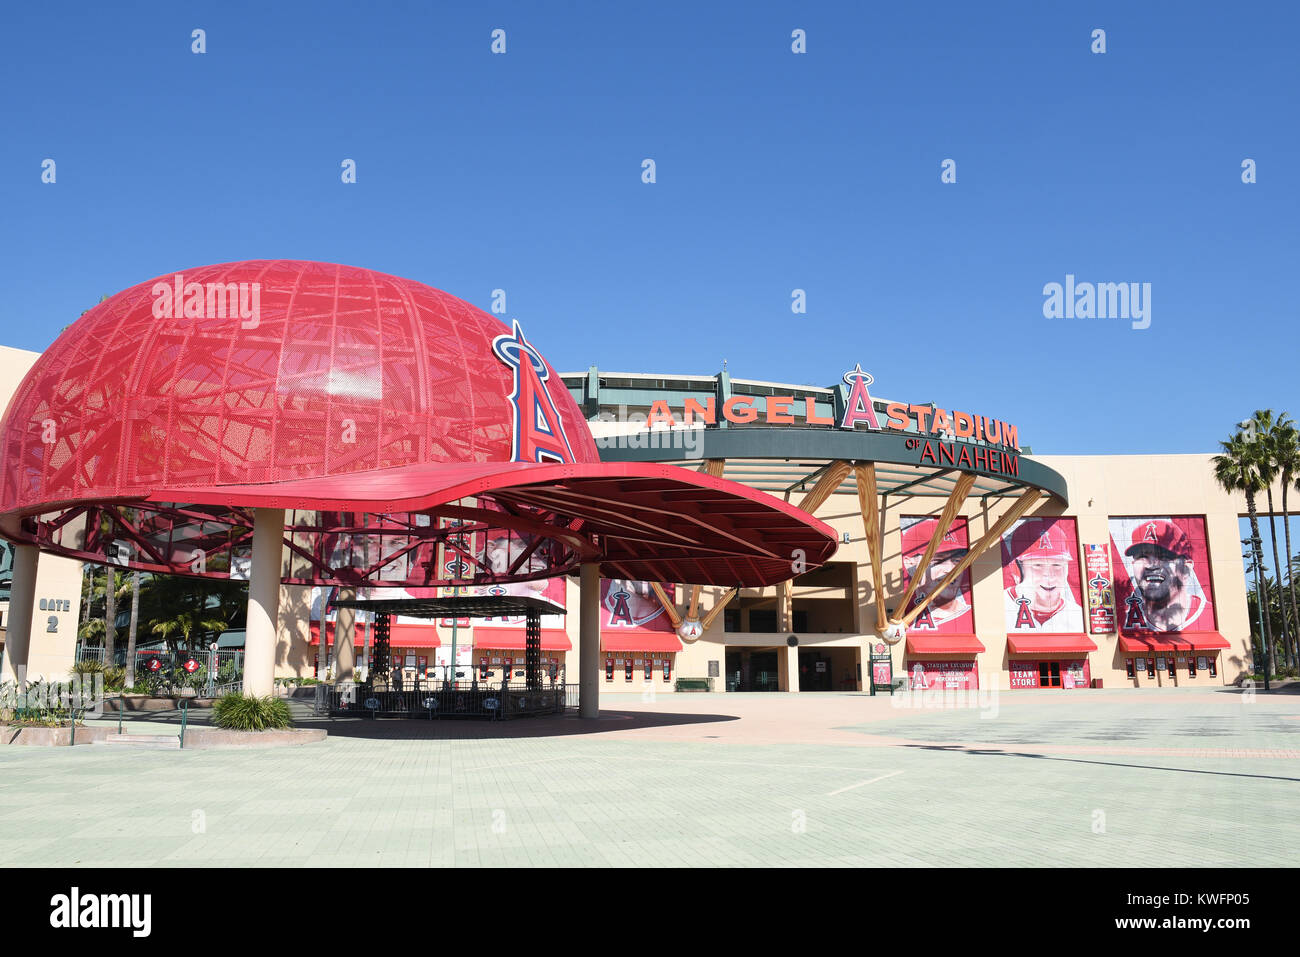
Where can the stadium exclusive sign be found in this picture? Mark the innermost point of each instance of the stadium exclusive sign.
(931, 430)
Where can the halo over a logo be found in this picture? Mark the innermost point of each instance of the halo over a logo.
(537, 430)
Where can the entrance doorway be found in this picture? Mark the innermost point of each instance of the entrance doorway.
(828, 669)
(1049, 674)
(752, 669)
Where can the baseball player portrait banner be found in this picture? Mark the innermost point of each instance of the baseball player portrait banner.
(1162, 575)
(950, 613)
(1041, 585)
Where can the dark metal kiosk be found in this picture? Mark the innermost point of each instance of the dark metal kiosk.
(385, 694)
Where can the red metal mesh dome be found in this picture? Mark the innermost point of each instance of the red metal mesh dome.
(411, 438)
(341, 370)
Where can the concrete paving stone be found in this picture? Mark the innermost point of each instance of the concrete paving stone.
(793, 781)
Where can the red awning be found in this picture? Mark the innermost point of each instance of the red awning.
(944, 645)
(493, 639)
(655, 642)
(1200, 641)
(654, 522)
(399, 635)
(1050, 644)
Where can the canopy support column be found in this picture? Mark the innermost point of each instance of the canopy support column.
(22, 600)
(870, 506)
(533, 650)
(589, 642)
(345, 628)
(263, 601)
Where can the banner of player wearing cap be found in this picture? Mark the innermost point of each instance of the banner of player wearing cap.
(1042, 591)
(1162, 574)
(950, 613)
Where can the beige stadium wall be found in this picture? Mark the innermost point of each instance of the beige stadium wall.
(1100, 487)
(58, 580)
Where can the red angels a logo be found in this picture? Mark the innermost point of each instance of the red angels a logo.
(859, 407)
(537, 431)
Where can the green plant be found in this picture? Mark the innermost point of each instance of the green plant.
(240, 712)
(114, 678)
(89, 666)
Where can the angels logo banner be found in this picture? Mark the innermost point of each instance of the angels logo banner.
(628, 607)
(1042, 590)
(550, 589)
(951, 612)
(1162, 575)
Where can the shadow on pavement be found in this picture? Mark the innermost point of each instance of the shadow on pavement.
(999, 753)
(539, 726)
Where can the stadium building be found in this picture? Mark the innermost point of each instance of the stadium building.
(843, 539)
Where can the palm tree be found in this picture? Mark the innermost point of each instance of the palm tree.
(1270, 441)
(110, 614)
(1238, 469)
(1286, 456)
(131, 631)
(187, 624)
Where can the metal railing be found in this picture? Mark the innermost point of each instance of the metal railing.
(472, 700)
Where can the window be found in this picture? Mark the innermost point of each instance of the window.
(1128, 668)
(1213, 672)
(762, 619)
(731, 619)
(1191, 665)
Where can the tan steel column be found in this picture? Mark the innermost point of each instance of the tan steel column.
(22, 600)
(589, 642)
(791, 668)
(263, 601)
(345, 629)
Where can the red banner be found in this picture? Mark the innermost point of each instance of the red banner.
(1040, 577)
(950, 613)
(630, 607)
(1101, 590)
(1162, 575)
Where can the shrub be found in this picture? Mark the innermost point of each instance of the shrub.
(89, 666)
(114, 678)
(241, 712)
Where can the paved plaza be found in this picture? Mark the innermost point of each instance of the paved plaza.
(1087, 778)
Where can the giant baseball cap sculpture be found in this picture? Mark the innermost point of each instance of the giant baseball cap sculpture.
(384, 416)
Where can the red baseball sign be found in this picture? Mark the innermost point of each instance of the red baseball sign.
(191, 665)
(154, 664)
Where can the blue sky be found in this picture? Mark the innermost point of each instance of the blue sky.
(775, 171)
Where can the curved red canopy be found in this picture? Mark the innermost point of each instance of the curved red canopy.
(651, 522)
(391, 419)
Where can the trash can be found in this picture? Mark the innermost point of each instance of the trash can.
(1096, 682)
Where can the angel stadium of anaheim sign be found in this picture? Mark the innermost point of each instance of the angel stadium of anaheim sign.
(930, 429)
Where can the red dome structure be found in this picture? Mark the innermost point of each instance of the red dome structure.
(401, 428)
